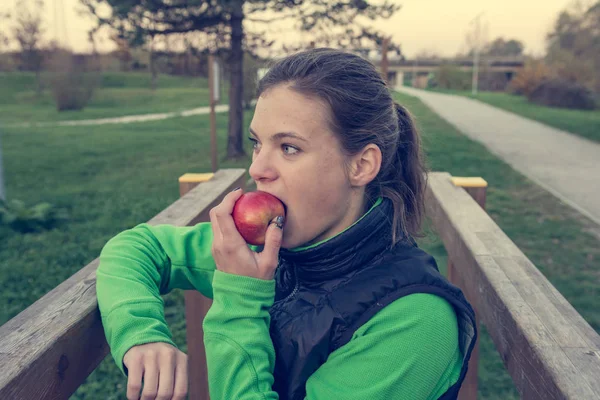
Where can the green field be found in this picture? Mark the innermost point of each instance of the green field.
(580, 122)
(119, 94)
(110, 178)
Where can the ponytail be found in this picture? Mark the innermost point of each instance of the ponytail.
(406, 179)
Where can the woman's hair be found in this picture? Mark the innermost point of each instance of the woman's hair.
(363, 112)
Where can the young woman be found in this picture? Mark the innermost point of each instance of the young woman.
(340, 303)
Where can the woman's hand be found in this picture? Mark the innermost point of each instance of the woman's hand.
(163, 369)
(229, 249)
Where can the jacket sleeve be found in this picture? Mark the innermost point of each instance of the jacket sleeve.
(239, 353)
(408, 350)
(138, 266)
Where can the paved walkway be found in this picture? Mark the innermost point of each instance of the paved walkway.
(127, 119)
(564, 164)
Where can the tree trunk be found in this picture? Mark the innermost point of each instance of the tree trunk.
(36, 56)
(38, 78)
(235, 147)
(2, 190)
(153, 72)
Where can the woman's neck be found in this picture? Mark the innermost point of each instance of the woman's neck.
(356, 208)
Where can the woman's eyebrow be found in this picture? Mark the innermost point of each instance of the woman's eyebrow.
(281, 135)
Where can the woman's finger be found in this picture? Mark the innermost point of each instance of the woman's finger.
(166, 375)
(214, 224)
(181, 378)
(134, 381)
(150, 380)
(223, 215)
(270, 254)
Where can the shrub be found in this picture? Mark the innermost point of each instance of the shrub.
(581, 69)
(7, 63)
(557, 92)
(493, 81)
(451, 77)
(528, 78)
(73, 81)
(25, 219)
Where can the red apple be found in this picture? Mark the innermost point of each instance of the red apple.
(253, 212)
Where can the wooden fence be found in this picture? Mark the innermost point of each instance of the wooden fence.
(49, 349)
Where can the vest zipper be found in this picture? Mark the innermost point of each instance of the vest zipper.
(294, 291)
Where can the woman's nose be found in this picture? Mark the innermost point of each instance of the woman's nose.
(262, 167)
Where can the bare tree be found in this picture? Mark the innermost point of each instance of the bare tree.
(476, 39)
(4, 39)
(4, 43)
(28, 33)
(123, 51)
(476, 36)
(504, 48)
(428, 54)
(574, 44)
(152, 62)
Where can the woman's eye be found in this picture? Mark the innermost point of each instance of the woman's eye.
(255, 143)
(289, 150)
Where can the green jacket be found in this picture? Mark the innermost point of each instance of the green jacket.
(409, 350)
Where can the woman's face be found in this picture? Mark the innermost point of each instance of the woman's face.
(299, 159)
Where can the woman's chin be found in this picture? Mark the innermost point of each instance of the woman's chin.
(289, 242)
(286, 244)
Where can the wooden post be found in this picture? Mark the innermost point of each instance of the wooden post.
(384, 59)
(189, 181)
(213, 117)
(196, 307)
(477, 188)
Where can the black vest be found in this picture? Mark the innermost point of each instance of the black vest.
(325, 293)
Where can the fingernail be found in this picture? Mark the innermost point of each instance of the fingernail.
(278, 221)
(237, 188)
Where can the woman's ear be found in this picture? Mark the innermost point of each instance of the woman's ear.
(365, 165)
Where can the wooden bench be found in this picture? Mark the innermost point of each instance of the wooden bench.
(50, 348)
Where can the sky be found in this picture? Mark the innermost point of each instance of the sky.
(433, 26)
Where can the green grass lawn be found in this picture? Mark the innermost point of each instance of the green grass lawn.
(580, 122)
(113, 177)
(119, 94)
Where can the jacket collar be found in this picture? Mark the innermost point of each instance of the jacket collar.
(347, 251)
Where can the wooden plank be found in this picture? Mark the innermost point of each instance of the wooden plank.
(50, 348)
(550, 351)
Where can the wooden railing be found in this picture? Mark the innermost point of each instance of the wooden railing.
(550, 351)
(50, 348)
